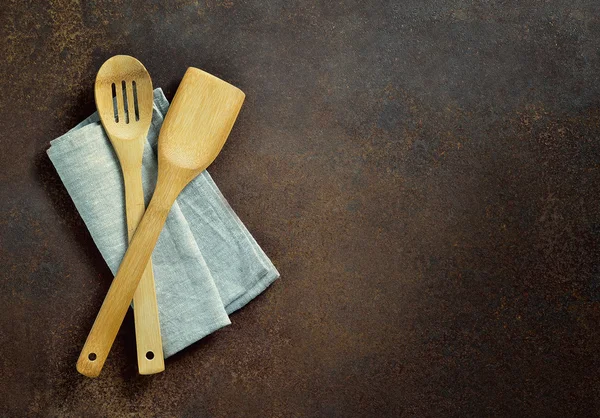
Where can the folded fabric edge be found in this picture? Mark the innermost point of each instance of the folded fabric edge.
(255, 247)
(73, 138)
(178, 345)
(268, 278)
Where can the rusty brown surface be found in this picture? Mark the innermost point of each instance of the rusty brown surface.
(424, 174)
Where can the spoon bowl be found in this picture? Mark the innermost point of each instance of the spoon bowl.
(124, 97)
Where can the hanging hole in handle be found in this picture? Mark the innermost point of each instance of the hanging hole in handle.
(92, 356)
(149, 355)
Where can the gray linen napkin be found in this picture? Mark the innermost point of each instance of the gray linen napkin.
(206, 263)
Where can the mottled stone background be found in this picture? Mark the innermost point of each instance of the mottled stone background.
(424, 174)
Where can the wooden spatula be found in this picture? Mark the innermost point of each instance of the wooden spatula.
(196, 127)
(124, 98)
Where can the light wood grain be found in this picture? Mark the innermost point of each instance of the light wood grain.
(196, 127)
(128, 136)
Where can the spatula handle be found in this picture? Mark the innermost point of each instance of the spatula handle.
(117, 300)
(145, 307)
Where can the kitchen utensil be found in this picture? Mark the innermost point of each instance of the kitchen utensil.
(124, 99)
(196, 127)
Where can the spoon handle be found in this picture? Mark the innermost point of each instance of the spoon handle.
(117, 300)
(145, 307)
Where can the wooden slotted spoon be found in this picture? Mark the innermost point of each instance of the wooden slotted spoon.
(196, 127)
(126, 119)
